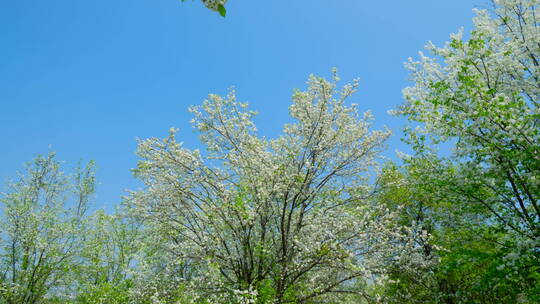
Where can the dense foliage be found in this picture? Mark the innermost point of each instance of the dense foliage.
(313, 215)
(481, 95)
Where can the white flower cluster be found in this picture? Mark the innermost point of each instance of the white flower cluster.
(213, 4)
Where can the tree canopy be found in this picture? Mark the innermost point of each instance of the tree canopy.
(316, 214)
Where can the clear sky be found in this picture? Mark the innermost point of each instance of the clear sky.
(89, 77)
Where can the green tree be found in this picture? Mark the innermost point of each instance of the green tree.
(481, 97)
(484, 97)
(41, 216)
(464, 251)
(111, 243)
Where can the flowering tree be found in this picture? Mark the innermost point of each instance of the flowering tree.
(286, 219)
(485, 96)
(39, 230)
(481, 95)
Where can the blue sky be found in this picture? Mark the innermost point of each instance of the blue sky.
(89, 77)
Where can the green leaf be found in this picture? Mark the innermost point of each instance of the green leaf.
(221, 9)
